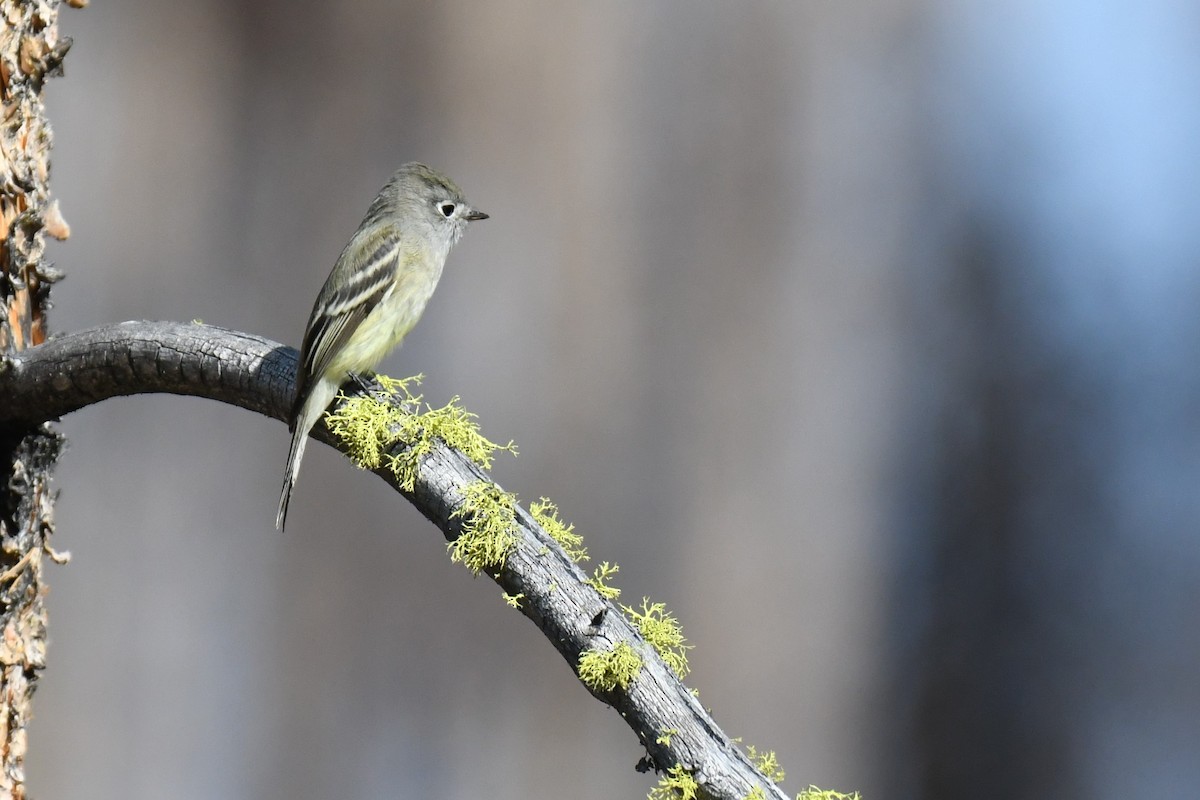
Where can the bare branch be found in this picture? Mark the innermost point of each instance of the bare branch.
(76, 370)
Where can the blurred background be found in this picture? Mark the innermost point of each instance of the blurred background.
(861, 334)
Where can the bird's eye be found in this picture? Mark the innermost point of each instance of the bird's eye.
(446, 209)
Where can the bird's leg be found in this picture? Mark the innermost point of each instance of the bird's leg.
(363, 381)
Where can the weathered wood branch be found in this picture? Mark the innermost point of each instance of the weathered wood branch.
(79, 369)
(75, 370)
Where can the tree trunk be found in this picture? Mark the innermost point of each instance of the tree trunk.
(30, 51)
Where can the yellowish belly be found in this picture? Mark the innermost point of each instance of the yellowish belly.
(382, 331)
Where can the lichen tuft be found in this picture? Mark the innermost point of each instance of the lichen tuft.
(489, 527)
(660, 628)
(605, 670)
(371, 425)
(546, 514)
(676, 784)
(813, 793)
(599, 580)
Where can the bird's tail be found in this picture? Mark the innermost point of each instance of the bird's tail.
(310, 411)
(295, 453)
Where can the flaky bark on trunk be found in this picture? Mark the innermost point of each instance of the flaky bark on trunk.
(30, 52)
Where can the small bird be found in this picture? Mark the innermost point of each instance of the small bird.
(375, 294)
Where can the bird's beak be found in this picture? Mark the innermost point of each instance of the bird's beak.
(474, 215)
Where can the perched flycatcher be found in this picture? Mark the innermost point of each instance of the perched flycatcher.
(375, 294)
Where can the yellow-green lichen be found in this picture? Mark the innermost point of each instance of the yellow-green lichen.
(546, 514)
(370, 425)
(513, 600)
(660, 628)
(766, 763)
(756, 793)
(605, 670)
(600, 578)
(489, 527)
(676, 784)
(813, 793)
(364, 423)
(665, 737)
(458, 428)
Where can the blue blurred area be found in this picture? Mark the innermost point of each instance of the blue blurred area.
(1052, 652)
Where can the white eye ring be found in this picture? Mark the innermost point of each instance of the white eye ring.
(447, 209)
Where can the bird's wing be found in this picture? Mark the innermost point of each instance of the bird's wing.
(340, 310)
